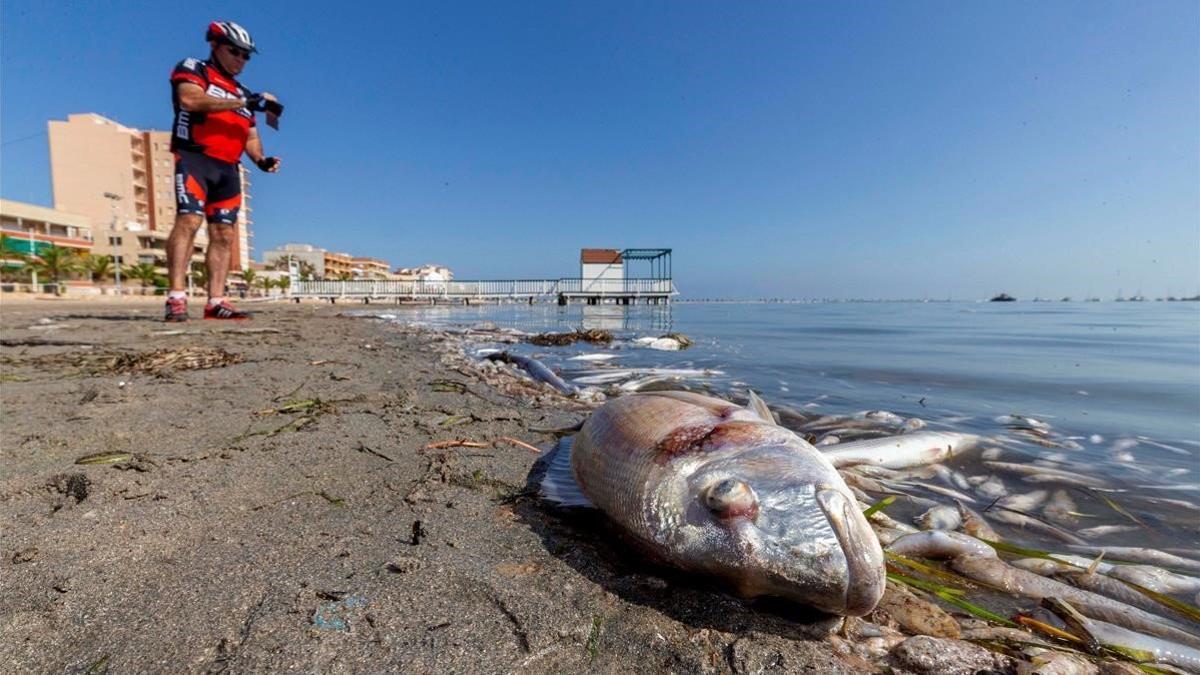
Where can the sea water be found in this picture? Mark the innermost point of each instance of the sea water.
(1117, 384)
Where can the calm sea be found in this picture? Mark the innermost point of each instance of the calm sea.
(1118, 384)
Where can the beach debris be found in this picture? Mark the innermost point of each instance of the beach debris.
(335, 615)
(455, 443)
(404, 564)
(362, 447)
(594, 336)
(313, 406)
(185, 358)
(734, 496)
(75, 485)
(536, 369)
(522, 444)
(669, 342)
(24, 555)
(448, 386)
(418, 533)
(104, 458)
(916, 615)
(927, 655)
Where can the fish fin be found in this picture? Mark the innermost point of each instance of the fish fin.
(558, 485)
(759, 407)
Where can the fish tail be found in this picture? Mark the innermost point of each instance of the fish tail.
(559, 485)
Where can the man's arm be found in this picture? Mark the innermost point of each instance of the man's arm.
(193, 99)
(254, 150)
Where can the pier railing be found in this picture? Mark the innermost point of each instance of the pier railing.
(512, 288)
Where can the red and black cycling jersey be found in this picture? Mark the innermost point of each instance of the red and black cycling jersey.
(220, 135)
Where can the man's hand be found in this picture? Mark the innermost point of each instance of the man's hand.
(269, 164)
(264, 102)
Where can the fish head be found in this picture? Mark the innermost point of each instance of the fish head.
(780, 521)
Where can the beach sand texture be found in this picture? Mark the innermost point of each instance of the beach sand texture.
(279, 511)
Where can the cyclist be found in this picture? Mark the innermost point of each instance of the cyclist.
(214, 125)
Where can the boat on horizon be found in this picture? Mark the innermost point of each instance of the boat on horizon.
(1003, 297)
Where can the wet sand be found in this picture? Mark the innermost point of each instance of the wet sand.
(281, 509)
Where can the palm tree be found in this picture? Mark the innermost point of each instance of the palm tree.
(284, 283)
(266, 284)
(100, 266)
(55, 262)
(144, 272)
(200, 276)
(248, 276)
(12, 259)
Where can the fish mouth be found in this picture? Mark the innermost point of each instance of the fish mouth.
(864, 557)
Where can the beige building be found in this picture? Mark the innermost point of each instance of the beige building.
(337, 264)
(29, 228)
(371, 268)
(91, 155)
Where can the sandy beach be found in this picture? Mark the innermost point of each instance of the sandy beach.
(272, 496)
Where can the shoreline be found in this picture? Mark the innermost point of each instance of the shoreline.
(293, 505)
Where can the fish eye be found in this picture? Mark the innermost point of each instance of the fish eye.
(731, 498)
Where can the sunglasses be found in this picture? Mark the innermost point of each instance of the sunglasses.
(240, 53)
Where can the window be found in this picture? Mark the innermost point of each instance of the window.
(114, 241)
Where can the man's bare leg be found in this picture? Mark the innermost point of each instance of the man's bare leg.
(179, 248)
(220, 250)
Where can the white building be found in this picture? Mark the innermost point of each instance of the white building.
(602, 270)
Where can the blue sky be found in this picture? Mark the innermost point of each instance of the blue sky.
(876, 149)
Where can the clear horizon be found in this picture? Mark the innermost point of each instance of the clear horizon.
(923, 150)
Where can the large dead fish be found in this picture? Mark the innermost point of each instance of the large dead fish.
(710, 487)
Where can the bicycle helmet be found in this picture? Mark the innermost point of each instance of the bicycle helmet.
(229, 32)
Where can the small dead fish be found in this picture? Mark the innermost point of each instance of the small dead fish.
(975, 524)
(1105, 530)
(1043, 473)
(991, 488)
(940, 517)
(1061, 509)
(713, 488)
(952, 478)
(901, 452)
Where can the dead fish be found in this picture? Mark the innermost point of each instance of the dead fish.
(714, 488)
(940, 517)
(990, 487)
(901, 452)
(1105, 530)
(1137, 554)
(951, 477)
(978, 561)
(1061, 508)
(975, 524)
(1020, 421)
(536, 369)
(1042, 473)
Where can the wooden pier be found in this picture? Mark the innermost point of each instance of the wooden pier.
(562, 291)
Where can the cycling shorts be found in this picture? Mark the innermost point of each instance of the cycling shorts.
(208, 186)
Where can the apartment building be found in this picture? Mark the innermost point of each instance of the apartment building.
(370, 268)
(122, 179)
(32, 228)
(338, 264)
